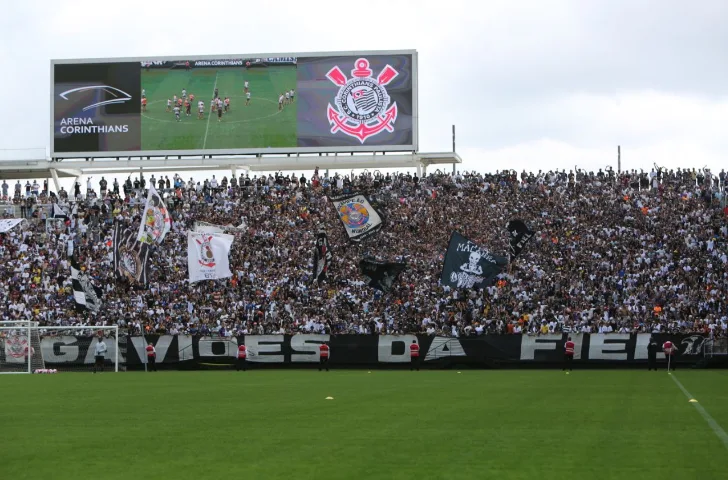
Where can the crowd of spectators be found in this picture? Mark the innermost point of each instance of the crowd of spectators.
(629, 252)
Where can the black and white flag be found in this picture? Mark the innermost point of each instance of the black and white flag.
(86, 295)
(519, 234)
(130, 256)
(469, 266)
(321, 257)
(58, 212)
(381, 275)
(359, 217)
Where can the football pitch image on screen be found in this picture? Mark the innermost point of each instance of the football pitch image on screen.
(219, 108)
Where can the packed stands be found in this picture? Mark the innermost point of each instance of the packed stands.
(627, 252)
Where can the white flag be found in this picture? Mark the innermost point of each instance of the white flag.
(156, 221)
(9, 224)
(208, 228)
(207, 256)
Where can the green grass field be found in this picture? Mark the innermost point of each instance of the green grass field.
(384, 425)
(258, 125)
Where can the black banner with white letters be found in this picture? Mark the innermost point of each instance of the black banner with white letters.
(352, 351)
(467, 265)
(519, 235)
(486, 351)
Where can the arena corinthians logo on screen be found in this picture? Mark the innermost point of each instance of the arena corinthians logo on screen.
(103, 95)
(362, 105)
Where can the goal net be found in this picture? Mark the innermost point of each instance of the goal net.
(26, 347)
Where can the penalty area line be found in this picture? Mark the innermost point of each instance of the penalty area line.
(717, 429)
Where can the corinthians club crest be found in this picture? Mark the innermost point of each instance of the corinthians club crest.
(15, 346)
(362, 106)
(129, 264)
(206, 256)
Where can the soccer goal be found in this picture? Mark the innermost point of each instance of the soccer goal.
(26, 347)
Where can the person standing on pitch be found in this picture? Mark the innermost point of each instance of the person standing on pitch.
(670, 351)
(414, 356)
(652, 354)
(151, 358)
(242, 355)
(26, 353)
(324, 356)
(99, 352)
(568, 354)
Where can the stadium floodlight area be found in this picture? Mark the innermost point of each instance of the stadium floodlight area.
(27, 347)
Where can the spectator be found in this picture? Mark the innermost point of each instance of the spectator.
(609, 256)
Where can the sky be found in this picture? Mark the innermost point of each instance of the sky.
(530, 84)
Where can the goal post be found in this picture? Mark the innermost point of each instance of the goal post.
(26, 347)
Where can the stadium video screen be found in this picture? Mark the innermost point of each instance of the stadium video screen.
(235, 105)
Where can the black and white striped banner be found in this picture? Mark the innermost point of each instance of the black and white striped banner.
(86, 295)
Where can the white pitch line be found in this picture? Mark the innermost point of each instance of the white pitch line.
(209, 116)
(717, 429)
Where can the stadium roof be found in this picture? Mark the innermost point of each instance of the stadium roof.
(46, 168)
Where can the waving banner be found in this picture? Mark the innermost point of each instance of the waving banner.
(520, 234)
(9, 223)
(130, 256)
(207, 256)
(359, 218)
(469, 266)
(86, 295)
(321, 257)
(381, 275)
(156, 221)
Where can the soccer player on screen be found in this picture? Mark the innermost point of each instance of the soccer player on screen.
(192, 98)
(247, 98)
(188, 107)
(226, 103)
(169, 105)
(184, 93)
(280, 102)
(144, 104)
(174, 99)
(176, 112)
(246, 86)
(201, 110)
(293, 95)
(219, 110)
(99, 352)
